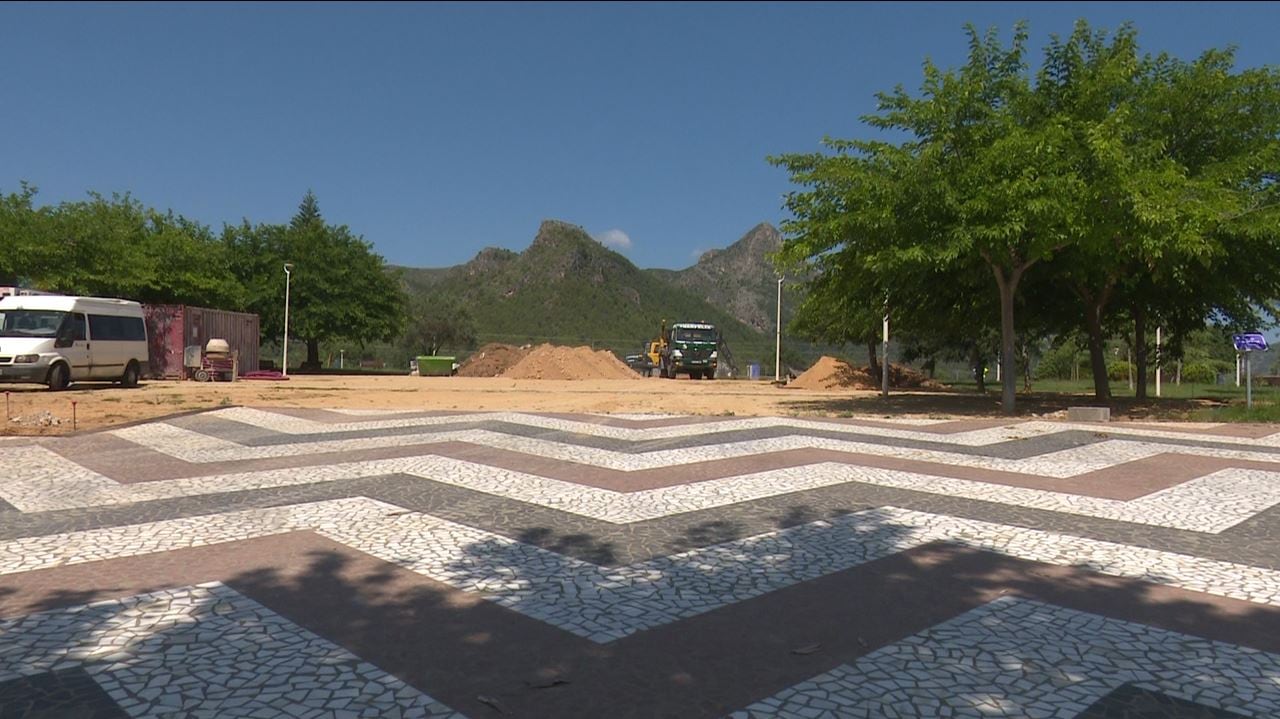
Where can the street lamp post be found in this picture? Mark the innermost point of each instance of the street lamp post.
(288, 270)
(777, 347)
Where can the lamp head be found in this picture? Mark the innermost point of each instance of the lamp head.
(288, 267)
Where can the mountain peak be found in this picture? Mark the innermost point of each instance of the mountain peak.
(739, 278)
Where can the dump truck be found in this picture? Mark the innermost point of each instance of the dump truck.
(690, 348)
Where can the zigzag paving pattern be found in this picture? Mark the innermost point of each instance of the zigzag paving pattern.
(261, 563)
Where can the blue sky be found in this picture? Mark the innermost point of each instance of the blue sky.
(435, 130)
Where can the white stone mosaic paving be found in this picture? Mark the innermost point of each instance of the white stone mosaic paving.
(1021, 658)
(288, 424)
(604, 604)
(1208, 504)
(195, 447)
(206, 651)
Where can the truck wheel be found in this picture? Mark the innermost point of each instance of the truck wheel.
(130, 376)
(201, 375)
(59, 377)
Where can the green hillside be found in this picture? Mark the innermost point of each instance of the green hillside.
(568, 288)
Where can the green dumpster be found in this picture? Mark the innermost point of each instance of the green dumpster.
(435, 366)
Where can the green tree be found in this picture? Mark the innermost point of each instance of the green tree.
(340, 288)
(435, 323)
(1175, 158)
(114, 247)
(1146, 187)
(976, 188)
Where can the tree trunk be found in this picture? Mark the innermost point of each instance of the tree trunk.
(313, 355)
(1097, 354)
(978, 365)
(1093, 307)
(1140, 350)
(873, 362)
(1008, 360)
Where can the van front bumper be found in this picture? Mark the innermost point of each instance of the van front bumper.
(33, 372)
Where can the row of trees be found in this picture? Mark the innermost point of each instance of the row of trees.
(116, 247)
(1107, 191)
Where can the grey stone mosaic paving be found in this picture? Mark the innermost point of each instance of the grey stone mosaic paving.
(192, 446)
(604, 605)
(1021, 658)
(251, 436)
(615, 568)
(58, 694)
(205, 651)
(1133, 702)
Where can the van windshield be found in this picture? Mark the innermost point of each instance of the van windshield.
(30, 323)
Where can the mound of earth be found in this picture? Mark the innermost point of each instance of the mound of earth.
(578, 363)
(832, 373)
(492, 360)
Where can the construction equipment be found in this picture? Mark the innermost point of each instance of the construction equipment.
(216, 363)
(690, 348)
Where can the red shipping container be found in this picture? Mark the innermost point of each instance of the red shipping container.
(171, 328)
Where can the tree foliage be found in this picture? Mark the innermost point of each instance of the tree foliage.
(113, 247)
(117, 247)
(1134, 189)
(339, 287)
(438, 322)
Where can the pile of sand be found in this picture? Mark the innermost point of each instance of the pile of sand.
(551, 362)
(831, 373)
(492, 360)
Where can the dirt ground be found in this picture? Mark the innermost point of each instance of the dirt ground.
(31, 409)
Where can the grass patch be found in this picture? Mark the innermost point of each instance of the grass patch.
(1260, 412)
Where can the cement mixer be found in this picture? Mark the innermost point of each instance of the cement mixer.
(216, 363)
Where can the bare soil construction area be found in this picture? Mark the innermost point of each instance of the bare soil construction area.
(33, 410)
(102, 405)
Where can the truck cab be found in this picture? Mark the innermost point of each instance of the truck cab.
(690, 348)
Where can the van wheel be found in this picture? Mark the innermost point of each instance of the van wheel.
(59, 377)
(130, 376)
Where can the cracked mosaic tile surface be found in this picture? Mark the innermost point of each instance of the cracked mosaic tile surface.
(205, 651)
(575, 565)
(1021, 658)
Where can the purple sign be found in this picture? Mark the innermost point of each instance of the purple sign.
(1250, 342)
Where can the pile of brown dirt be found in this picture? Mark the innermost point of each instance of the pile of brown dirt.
(578, 363)
(831, 373)
(492, 360)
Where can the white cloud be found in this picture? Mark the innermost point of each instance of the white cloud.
(614, 239)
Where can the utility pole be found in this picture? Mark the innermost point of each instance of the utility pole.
(777, 347)
(284, 361)
(1157, 362)
(884, 363)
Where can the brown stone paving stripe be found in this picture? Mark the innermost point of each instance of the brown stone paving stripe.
(456, 646)
(128, 463)
(941, 427)
(1241, 430)
(325, 416)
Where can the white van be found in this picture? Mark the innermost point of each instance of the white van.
(57, 340)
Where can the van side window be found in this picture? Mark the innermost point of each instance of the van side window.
(72, 328)
(106, 328)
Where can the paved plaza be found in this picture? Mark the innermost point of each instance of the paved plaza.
(296, 563)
